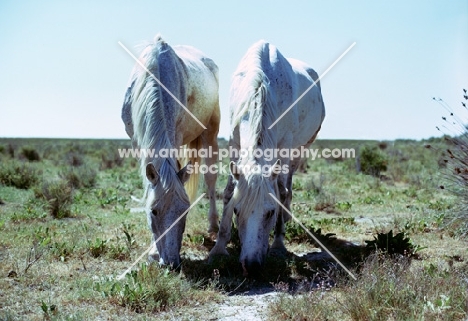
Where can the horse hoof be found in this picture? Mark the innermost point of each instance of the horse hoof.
(213, 230)
(153, 258)
(278, 252)
(216, 252)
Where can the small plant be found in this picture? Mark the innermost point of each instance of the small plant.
(48, 310)
(372, 161)
(98, 247)
(129, 236)
(196, 239)
(344, 206)
(59, 197)
(41, 239)
(118, 252)
(109, 197)
(325, 203)
(18, 174)
(392, 244)
(297, 185)
(62, 250)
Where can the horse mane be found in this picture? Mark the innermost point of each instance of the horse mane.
(151, 120)
(252, 99)
(249, 191)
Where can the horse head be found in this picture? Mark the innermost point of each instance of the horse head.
(167, 202)
(255, 210)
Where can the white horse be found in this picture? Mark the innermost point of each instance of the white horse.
(264, 86)
(155, 120)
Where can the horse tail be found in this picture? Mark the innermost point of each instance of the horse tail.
(193, 156)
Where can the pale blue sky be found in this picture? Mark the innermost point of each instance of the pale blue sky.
(62, 73)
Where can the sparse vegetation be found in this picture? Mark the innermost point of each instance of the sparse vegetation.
(385, 290)
(80, 177)
(153, 289)
(73, 262)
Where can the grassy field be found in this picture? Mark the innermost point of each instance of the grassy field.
(68, 227)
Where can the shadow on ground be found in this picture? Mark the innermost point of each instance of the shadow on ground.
(286, 273)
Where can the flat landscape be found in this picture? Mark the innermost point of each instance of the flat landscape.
(69, 227)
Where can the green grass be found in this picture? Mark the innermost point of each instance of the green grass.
(65, 268)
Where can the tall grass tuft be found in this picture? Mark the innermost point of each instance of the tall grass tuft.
(456, 162)
(385, 290)
(59, 197)
(18, 174)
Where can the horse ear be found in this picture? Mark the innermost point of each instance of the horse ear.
(151, 174)
(234, 170)
(184, 174)
(275, 170)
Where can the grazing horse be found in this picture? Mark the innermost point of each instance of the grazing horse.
(155, 121)
(264, 86)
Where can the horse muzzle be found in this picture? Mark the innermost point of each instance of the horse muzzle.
(251, 268)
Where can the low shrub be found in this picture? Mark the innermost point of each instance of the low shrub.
(18, 174)
(74, 159)
(80, 177)
(30, 154)
(110, 160)
(372, 161)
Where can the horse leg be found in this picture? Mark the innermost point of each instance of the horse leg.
(279, 232)
(224, 233)
(285, 193)
(208, 140)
